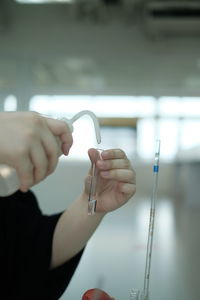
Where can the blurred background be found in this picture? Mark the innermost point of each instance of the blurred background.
(136, 65)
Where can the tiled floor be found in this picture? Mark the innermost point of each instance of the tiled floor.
(115, 256)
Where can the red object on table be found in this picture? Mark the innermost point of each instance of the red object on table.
(96, 294)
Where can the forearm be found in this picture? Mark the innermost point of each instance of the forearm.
(116, 185)
(73, 230)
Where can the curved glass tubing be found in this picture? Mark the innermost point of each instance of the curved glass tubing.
(144, 295)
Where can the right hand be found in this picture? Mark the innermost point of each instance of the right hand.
(32, 144)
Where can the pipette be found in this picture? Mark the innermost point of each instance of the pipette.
(135, 294)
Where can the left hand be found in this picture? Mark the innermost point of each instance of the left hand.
(116, 180)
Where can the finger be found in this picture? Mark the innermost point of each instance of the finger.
(57, 127)
(24, 169)
(40, 162)
(127, 188)
(52, 148)
(87, 182)
(66, 146)
(114, 164)
(125, 175)
(61, 129)
(94, 154)
(59, 144)
(113, 154)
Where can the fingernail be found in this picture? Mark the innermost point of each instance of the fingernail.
(65, 149)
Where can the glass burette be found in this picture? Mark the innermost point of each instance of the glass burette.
(135, 294)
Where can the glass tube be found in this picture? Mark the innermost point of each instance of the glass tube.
(144, 295)
(151, 223)
(92, 199)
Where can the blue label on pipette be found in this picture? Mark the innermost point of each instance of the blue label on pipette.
(155, 169)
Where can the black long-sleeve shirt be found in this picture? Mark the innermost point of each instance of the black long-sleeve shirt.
(25, 251)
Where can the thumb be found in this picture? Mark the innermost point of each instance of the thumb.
(87, 183)
(94, 155)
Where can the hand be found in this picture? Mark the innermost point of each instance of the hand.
(31, 144)
(116, 181)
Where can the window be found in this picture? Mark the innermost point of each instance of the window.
(173, 120)
(10, 103)
(104, 107)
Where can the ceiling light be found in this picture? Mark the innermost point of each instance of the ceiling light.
(43, 1)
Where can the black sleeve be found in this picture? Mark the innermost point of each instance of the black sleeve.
(30, 249)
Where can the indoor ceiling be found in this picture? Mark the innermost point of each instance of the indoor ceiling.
(98, 48)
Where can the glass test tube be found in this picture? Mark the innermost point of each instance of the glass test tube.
(92, 199)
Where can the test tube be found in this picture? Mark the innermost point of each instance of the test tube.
(92, 199)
